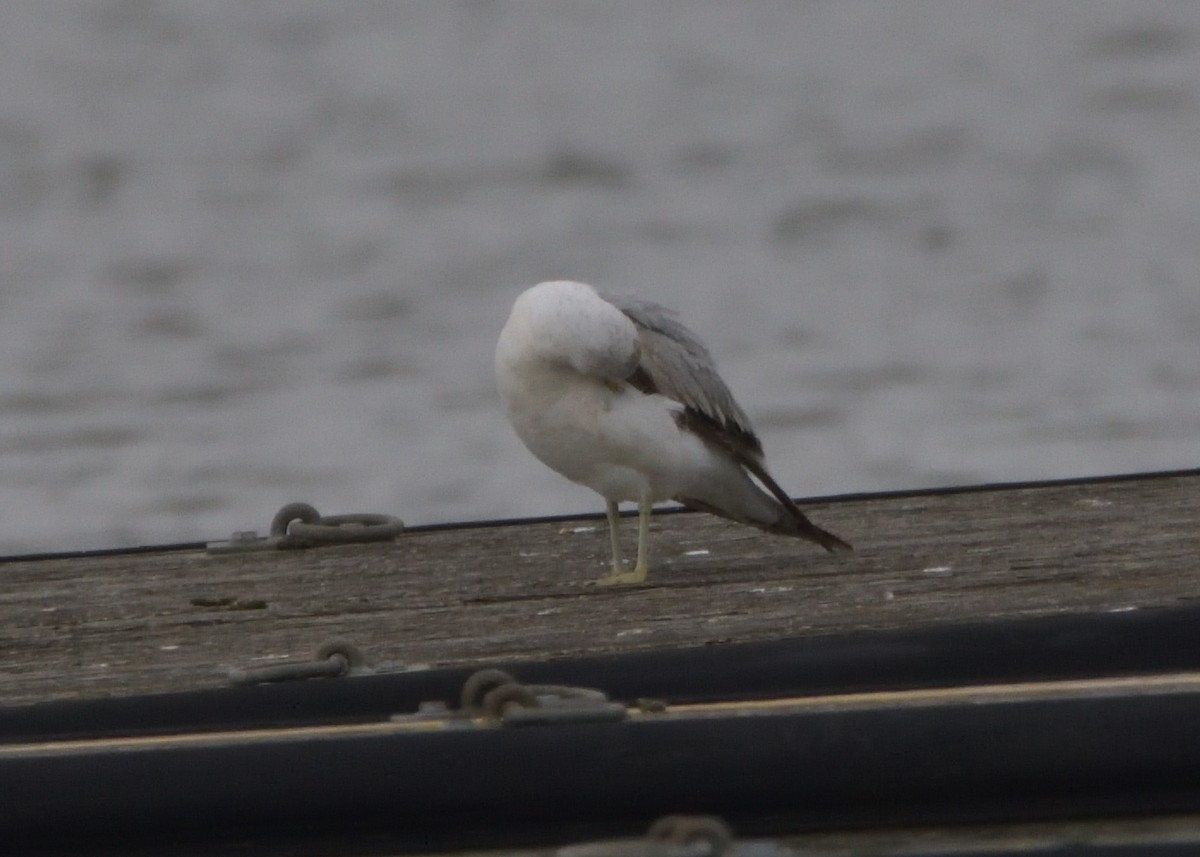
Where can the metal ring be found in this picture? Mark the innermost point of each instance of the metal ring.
(333, 667)
(569, 693)
(293, 512)
(347, 529)
(333, 660)
(350, 655)
(497, 700)
(477, 686)
(689, 829)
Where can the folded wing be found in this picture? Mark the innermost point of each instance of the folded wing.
(674, 363)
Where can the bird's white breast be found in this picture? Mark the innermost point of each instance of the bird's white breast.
(560, 364)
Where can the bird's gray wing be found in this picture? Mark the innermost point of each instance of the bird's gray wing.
(674, 363)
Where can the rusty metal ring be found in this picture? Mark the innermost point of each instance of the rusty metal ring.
(350, 655)
(347, 529)
(333, 660)
(687, 829)
(293, 512)
(498, 699)
(478, 684)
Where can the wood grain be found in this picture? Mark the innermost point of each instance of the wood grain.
(149, 622)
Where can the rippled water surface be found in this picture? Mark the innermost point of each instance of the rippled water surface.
(260, 252)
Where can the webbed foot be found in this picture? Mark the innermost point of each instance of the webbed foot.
(623, 577)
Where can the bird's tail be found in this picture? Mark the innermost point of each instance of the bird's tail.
(791, 521)
(780, 515)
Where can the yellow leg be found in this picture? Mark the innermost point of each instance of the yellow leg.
(619, 574)
(614, 535)
(645, 507)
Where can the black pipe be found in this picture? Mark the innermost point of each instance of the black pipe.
(1046, 648)
(944, 764)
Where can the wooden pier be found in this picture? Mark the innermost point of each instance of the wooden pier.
(1025, 657)
(87, 626)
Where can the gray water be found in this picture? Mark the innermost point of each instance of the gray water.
(259, 252)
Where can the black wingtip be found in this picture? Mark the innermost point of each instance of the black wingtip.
(833, 543)
(824, 538)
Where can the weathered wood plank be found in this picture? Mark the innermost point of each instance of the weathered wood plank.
(138, 623)
(1173, 834)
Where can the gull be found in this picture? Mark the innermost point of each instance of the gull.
(616, 394)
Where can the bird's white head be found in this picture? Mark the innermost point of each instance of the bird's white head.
(566, 323)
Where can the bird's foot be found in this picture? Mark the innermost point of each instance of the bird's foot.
(623, 576)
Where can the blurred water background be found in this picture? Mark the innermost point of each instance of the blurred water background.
(259, 252)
